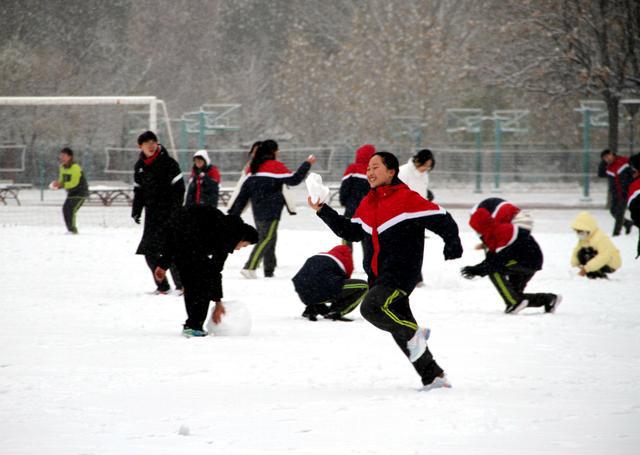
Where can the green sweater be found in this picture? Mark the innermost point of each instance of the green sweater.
(72, 179)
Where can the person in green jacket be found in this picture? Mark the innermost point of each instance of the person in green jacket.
(71, 178)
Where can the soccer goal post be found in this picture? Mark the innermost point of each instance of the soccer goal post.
(150, 101)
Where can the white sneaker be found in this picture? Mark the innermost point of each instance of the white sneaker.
(440, 382)
(418, 343)
(249, 274)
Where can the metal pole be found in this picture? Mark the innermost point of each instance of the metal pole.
(631, 133)
(586, 165)
(41, 179)
(498, 137)
(184, 143)
(153, 116)
(479, 160)
(201, 130)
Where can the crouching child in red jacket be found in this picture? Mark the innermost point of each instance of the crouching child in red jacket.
(325, 286)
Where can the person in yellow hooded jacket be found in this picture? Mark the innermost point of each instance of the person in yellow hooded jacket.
(595, 253)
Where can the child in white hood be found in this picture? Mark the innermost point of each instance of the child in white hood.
(595, 253)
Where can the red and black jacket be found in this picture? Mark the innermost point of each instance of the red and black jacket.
(264, 189)
(509, 247)
(502, 211)
(620, 176)
(203, 186)
(322, 276)
(355, 186)
(390, 221)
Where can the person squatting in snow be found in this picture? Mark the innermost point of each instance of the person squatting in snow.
(158, 188)
(512, 255)
(198, 240)
(325, 286)
(390, 221)
(204, 182)
(595, 253)
(263, 187)
(633, 202)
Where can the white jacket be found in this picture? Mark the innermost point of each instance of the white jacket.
(415, 180)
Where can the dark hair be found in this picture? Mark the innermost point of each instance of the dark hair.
(423, 156)
(67, 151)
(634, 160)
(266, 151)
(390, 162)
(605, 152)
(147, 136)
(254, 147)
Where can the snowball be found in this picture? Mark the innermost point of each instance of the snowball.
(235, 322)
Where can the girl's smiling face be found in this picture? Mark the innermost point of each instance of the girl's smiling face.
(377, 173)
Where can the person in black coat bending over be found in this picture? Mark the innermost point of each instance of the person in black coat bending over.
(325, 286)
(263, 187)
(158, 188)
(390, 221)
(198, 240)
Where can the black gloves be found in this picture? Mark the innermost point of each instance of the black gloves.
(452, 250)
(471, 271)
(136, 218)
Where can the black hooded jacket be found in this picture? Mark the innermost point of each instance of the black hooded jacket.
(198, 240)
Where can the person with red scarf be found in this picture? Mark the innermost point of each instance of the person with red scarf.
(617, 170)
(390, 222)
(158, 188)
(512, 258)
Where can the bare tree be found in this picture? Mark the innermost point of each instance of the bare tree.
(566, 49)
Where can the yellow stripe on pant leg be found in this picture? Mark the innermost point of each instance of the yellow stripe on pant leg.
(75, 210)
(256, 257)
(388, 312)
(503, 289)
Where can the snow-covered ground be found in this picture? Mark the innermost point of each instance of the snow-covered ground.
(90, 363)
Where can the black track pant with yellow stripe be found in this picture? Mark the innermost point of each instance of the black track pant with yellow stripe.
(69, 209)
(265, 249)
(388, 309)
(511, 286)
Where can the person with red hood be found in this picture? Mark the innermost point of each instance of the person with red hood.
(158, 188)
(390, 222)
(325, 286)
(512, 258)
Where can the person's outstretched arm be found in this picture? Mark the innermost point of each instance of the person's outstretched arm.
(341, 226)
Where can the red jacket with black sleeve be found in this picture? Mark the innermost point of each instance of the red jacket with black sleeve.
(322, 276)
(390, 221)
(502, 211)
(509, 247)
(634, 201)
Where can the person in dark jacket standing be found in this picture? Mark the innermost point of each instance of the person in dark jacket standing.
(204, 183)
(158, 188)
(325, 286)
(512, 258)
(198, 240)
(633, 201)
(263, 187)
(390, 221)
(617, 170)
(72, 179)
(354, 185)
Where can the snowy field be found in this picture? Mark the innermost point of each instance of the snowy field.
(91, 363)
